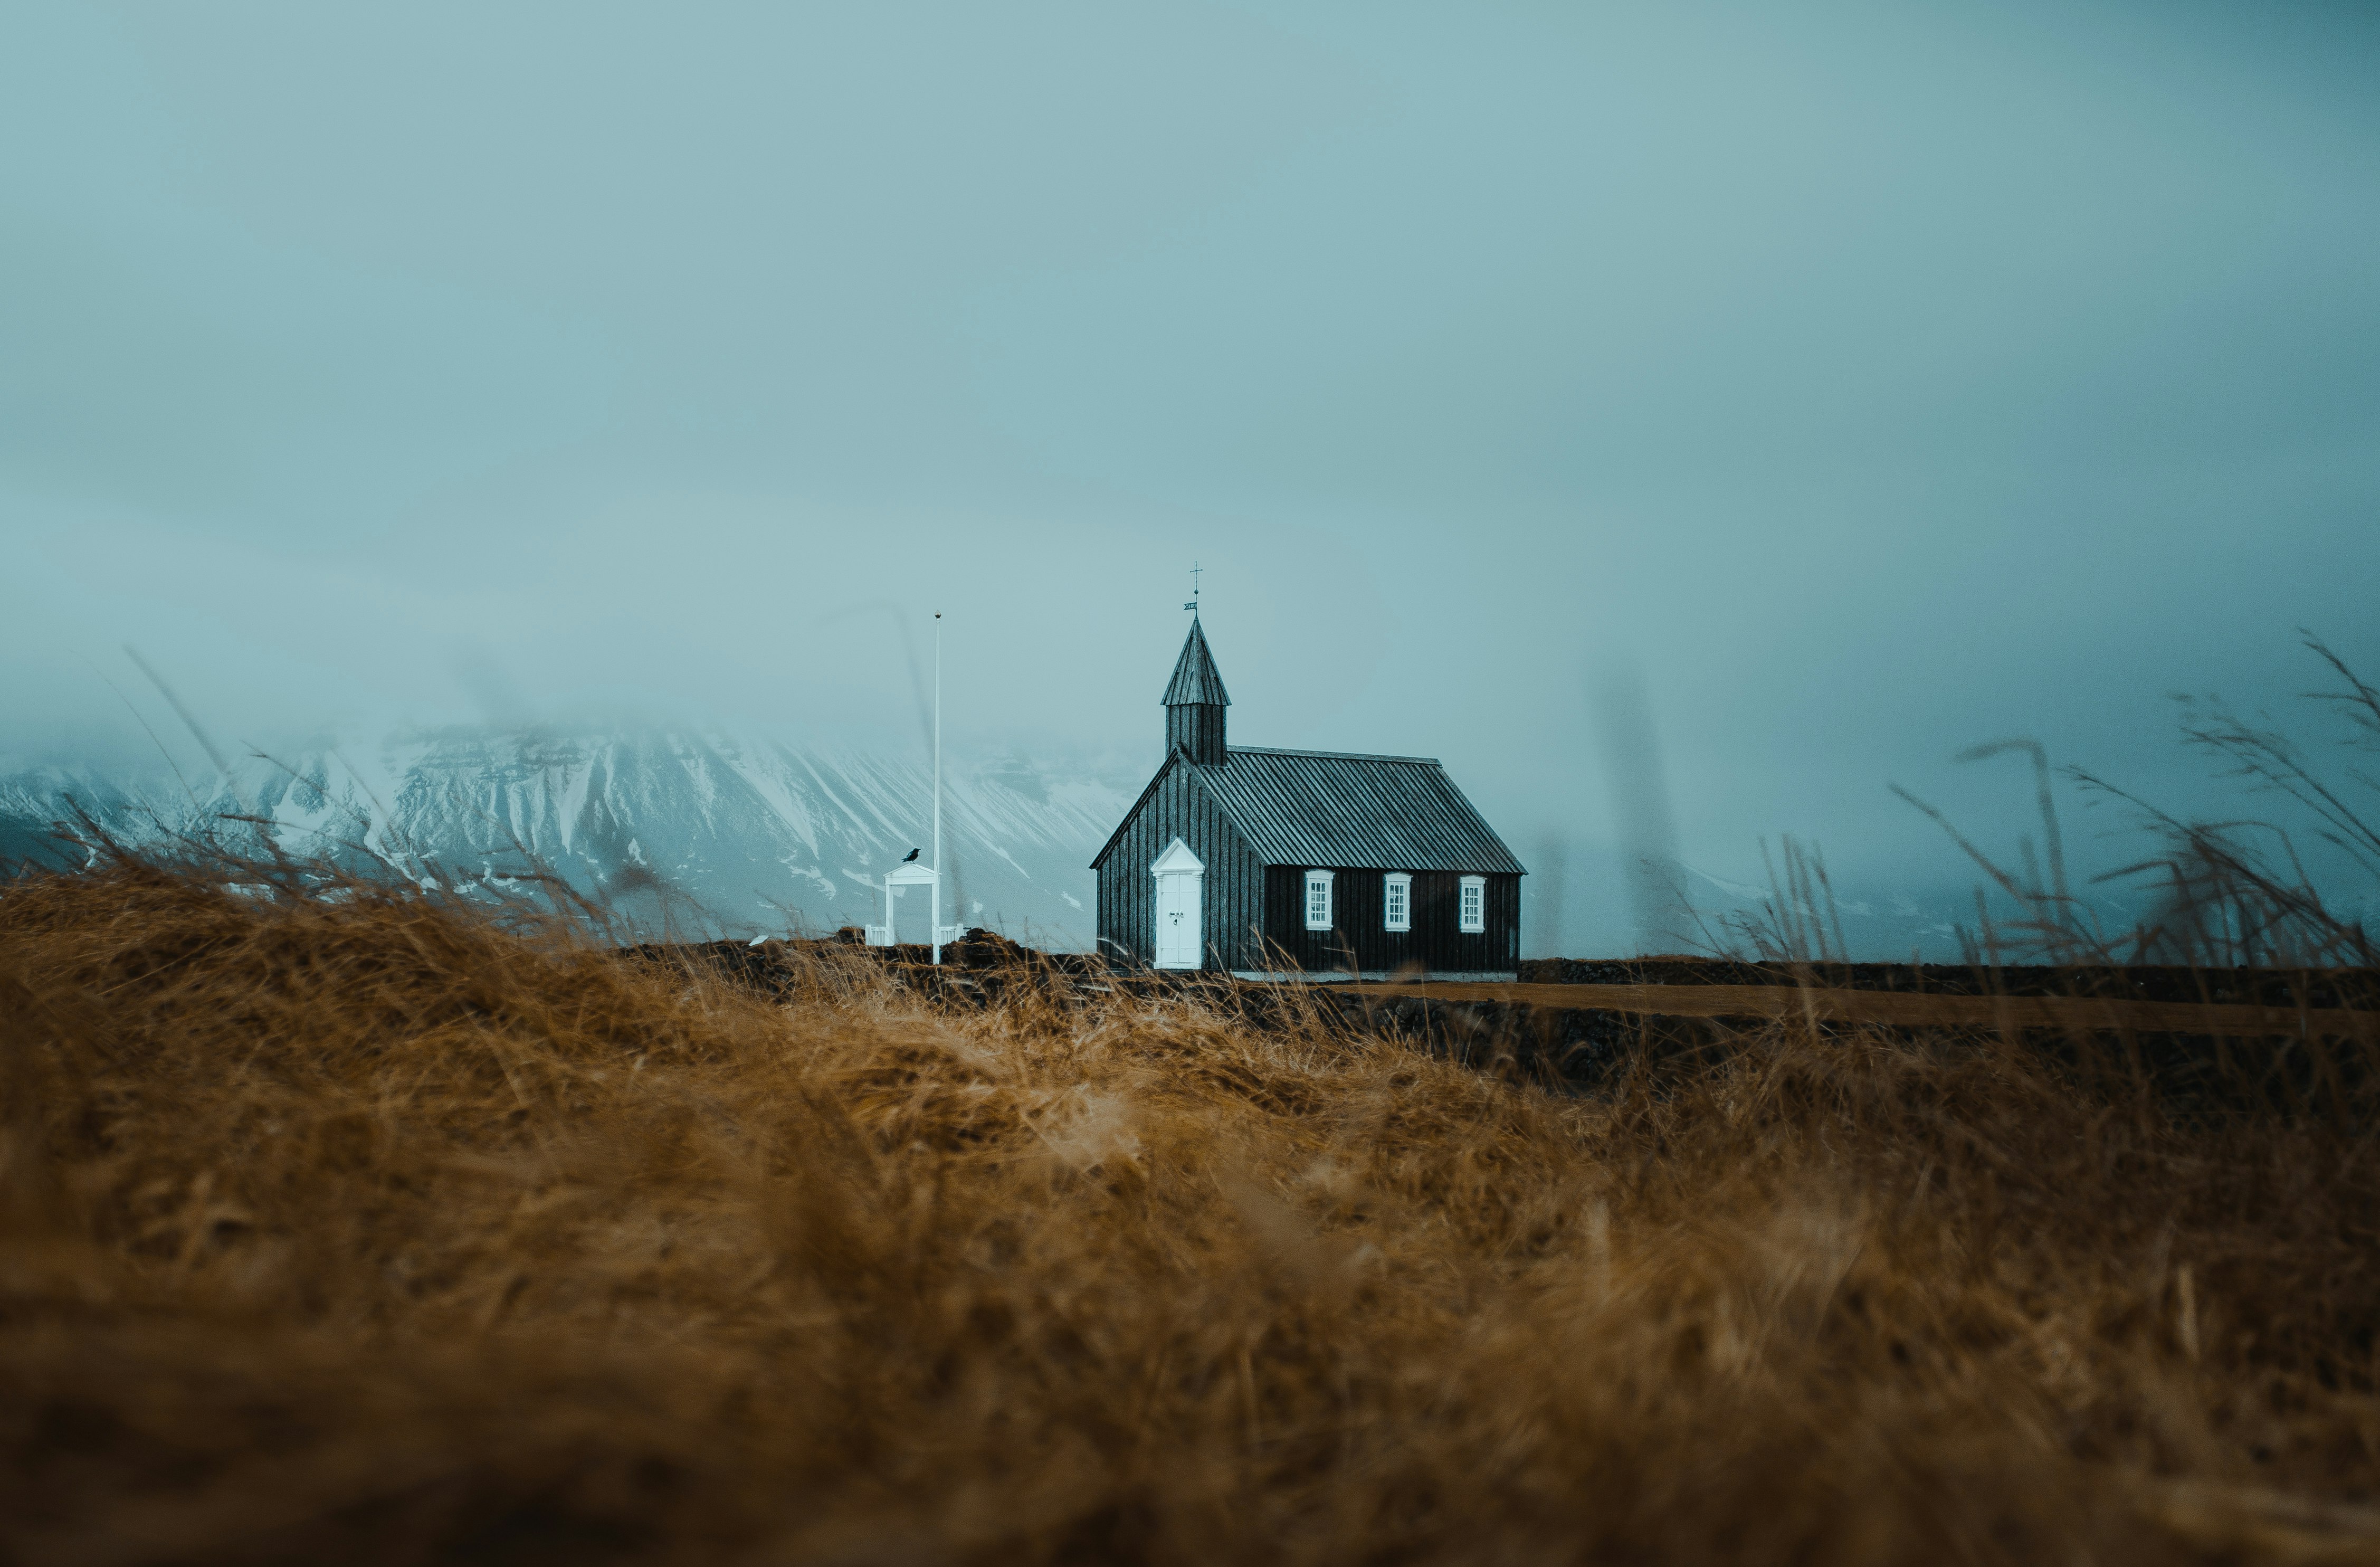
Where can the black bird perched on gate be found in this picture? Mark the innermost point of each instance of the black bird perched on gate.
(907, 858)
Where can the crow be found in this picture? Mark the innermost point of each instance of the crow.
(907, 858)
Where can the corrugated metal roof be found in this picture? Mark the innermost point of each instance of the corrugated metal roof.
(1195, 681)
(1356, 812)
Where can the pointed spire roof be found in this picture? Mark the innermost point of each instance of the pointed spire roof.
(1195, 681)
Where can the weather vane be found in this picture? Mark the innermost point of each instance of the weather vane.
(1193, 605)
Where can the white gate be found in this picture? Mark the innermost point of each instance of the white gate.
(1181, 904)
(899, 880)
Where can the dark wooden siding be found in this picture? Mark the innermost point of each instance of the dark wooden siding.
(1436, 943)
(1197, 729)
(1233, 890)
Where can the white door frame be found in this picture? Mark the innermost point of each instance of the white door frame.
(1188, 875)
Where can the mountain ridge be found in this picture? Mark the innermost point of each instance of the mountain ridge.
(739, 833)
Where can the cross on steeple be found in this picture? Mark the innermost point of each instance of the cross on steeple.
(1193, 605)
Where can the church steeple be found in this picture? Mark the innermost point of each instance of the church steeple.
(1194, 701)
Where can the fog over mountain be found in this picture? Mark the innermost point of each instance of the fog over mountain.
(1875, 381)
(709, 832)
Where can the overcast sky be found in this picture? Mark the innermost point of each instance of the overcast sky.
(1874, 378)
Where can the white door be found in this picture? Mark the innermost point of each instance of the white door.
(1177, 919)
(1180, 888)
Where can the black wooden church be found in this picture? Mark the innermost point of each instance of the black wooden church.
(1269, 863)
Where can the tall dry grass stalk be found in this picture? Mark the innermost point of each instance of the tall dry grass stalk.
(2229, 893)
(363, 1228)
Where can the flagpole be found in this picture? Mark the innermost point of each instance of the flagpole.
(938, 787)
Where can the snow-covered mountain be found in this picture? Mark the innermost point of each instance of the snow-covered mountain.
(699, 831)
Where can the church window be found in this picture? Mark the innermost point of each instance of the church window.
(1317, 899)
(1396, 900)
(1474, 903)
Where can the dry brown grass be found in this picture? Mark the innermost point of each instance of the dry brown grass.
(370, 1230)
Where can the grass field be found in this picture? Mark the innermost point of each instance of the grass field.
(363, 1228)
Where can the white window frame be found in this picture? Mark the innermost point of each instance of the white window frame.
(1471, 905)
(1396, 900)
(1319, 882)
